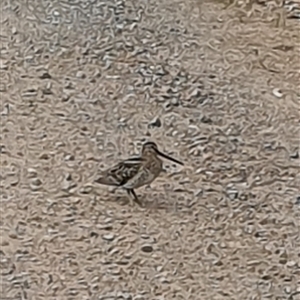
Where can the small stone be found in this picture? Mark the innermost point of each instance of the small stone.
(154, 122)
(69, 157)
(232, 194)
(108, 237)
(65, 98)
(68, 177)
(297, 201)
(80, 75)
(159, 268)
(3, 65)
(145, 236)
(124, 295)
(287, 290)
(147, 248)
(223, 245)
(277, 93)
(164, 280)
(30, 92)
(44, 156)
(206, 120)
(295, 155)
(59, 144)
(3, 149)
(94, 234)
(35, 184)
(195, 93)
(36, 181)
(68, 85)
(12, 235)
(167, 106)
(67, 185)
(86, 190)
(31, 172)
(291, 263)
(175, 102)
(47, 90)
(45, 75)
(198, 192)
(2, 87)
(5, 110)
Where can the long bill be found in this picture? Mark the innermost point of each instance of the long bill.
(169, 157)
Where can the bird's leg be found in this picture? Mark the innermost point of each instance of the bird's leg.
(135, 198)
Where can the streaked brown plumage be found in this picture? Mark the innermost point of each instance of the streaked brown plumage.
(137, 171)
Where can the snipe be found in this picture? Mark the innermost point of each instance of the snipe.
(135, 172)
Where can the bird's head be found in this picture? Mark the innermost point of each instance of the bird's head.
(150, 148)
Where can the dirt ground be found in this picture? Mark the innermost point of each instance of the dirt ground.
(214, 84)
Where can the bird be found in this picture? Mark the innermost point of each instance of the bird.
(135, 172)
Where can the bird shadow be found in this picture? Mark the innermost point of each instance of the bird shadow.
(157, 203)
(145, 204)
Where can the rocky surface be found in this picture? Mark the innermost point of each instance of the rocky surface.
(215, 84)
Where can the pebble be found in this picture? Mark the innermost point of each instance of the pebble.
(223, 245)
(3, 65)
(29, 93)
(164, 280)
(35, 184)
(45, 75)
(175, 101)
(198, 192)
(3, 149)
(65, 98)
(5, 110)
(2, 87)
(231, 191)
(155, 122)
(68, 177)
(145, 236)
(295, 155)
(291, 263)
(67, 183)
(167, 106)
(159, 268)
(86, 190)
(14, 30)
(232, 194)
(36, 181)
(206, 120)
(195, 93)
(287, 290)
(69, 157)
(44, 156)
(147, 248)
(277, 93)
(31, 172)
(108, 237)
(80, 75)
(124, 295)
(47, 90)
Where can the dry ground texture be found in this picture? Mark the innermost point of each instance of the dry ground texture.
(215, 84)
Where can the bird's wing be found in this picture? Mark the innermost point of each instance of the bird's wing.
(125, 170)
(142, 177)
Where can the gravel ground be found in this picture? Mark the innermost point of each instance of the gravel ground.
(213, 83)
